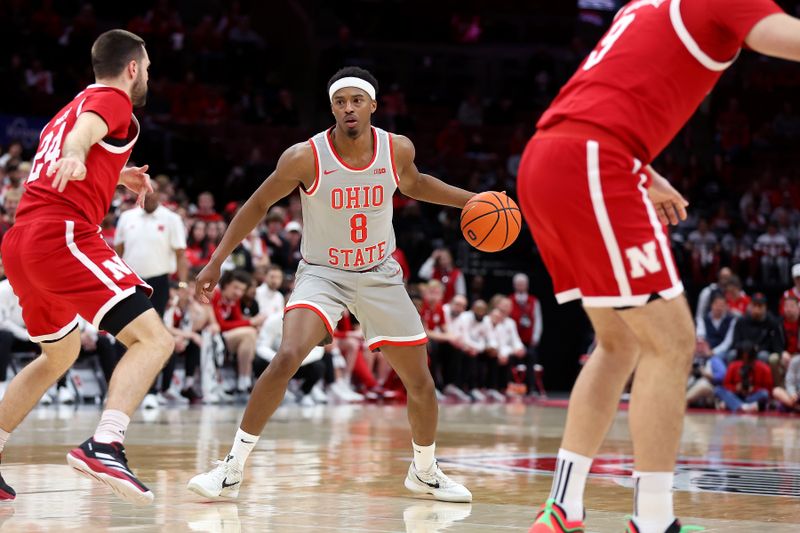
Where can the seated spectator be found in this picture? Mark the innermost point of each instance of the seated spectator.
(506, 350)
(716, 329)
(268, 294)
(205, 208)
(759, 328)
(788, 396)
(774, 250)
(310, 371)
(198, 251)
(291, 252)
(471, 336)
(704, 249)
(526, 311)
(240, 333)
(273, 236)
(13, 333)
(791, 324)
(747, 384)
(186, 319)
(435, 324)
(249, 304)
(704, 299)
(738, 300)
(708, 372)
(439, 266)
(257, 249)
(793, 290)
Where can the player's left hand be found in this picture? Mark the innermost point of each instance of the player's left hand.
(137, 180)
(669, 203)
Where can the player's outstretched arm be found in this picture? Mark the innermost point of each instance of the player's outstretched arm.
(89, 129)
(295, 166)
(777, 36)
(420, 186)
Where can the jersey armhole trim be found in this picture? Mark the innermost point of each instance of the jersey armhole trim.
(689, 42)
(315, 185)
(391, 160)
(108, 147)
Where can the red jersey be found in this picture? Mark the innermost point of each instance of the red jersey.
(229, 314)
(790, 333)
(88, 200)
(525, 317)
(653, 68)
(433, 316)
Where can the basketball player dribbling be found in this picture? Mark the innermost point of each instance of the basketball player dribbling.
(598, 213)
(347, 176)
(61, 268)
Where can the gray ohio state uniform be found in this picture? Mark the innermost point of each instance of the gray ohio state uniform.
(347, 244)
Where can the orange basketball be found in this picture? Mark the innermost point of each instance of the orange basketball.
(491, 221)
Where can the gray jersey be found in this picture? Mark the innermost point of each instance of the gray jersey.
(347, 212)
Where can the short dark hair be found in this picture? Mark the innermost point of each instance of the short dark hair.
(273, 266)
(354, 72)
(113, 50)
(234, 275)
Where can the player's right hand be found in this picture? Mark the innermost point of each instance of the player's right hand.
(206, 281)
(66, 169)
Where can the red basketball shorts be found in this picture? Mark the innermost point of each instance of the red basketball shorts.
(60, 269)
(587, 206)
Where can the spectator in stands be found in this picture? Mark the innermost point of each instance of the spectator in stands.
(291, 253)
(12, 155)
(452, 310)
(435, 324)
(257, 249)
(704, 300)
(738, 300)
(738, 247)
(268, 294)
(704, 249)
(760, 329)
(13, 334)
(794, 290)
(17, 174)
(716, 329)
(10, 203)
(774, 249)
(439, 266)
(788, 396)
(714, 343)
(748, 382)
(240, 333)
(205, 208)
(248, 303)
(197, 247)
(182, 318)
(791, 324)
(471, 337)
(273, 236)
(310, 371)
(507, 348)
(526, 311)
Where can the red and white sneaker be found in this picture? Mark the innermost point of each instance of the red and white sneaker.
(107, 463)
(6, 492)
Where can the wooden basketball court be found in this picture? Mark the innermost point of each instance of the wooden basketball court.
(341, 468)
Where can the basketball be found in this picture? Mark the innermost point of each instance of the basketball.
(491, 221)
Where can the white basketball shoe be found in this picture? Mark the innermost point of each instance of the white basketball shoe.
(437, 484)
(221, 482)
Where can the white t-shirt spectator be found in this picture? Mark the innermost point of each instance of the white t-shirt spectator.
(269, 302)
(269, 340)
(150, 240)
(505, 338)
(11, 312)
(773, 245)
(470, 333)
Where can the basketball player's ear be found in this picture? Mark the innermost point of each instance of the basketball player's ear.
(373, 105)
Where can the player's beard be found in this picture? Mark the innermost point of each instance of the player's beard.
(139, 92)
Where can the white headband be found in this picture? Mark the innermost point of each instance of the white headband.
(352, 81)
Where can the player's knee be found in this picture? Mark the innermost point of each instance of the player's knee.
(161, 342)
(420, 387)
(286, 362)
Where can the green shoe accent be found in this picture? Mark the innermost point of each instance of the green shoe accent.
(689, 529)
(548, 512)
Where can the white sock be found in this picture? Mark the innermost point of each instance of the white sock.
(569, 481)
(3, 439)
(652, 501)
(243, 444)
(423, 456)
(244, 383)
(112, 426)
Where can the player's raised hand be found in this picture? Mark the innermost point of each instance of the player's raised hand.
(66, 169)
(669, 203)
(137, 180)
(206, 281)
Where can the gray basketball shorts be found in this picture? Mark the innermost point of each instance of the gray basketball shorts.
(377, 298)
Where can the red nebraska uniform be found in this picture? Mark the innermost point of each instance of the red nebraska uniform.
(583, 188)
(55, 256)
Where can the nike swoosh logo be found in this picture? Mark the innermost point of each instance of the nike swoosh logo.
(247, 441)
(226, 485)
(326, 172)
(431, 485)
